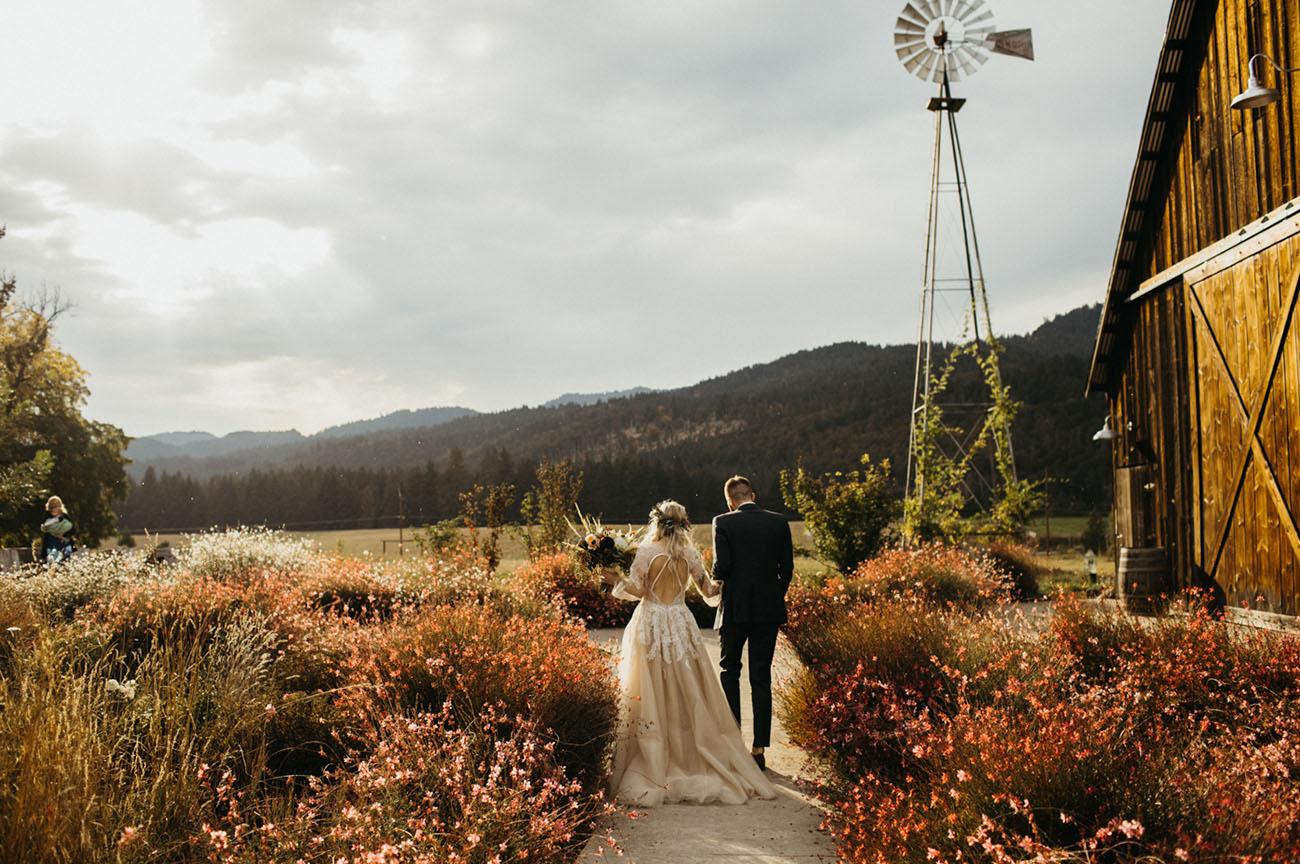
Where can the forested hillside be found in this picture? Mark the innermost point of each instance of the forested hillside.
(826, 406)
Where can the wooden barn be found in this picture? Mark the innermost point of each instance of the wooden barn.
(1198, 349)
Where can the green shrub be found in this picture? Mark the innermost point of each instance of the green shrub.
(437, 538)
(1097, 534)
(549, 505)
(848, 514)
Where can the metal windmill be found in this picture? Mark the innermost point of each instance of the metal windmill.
(940, 41)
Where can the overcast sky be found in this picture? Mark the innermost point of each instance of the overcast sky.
(293, 214)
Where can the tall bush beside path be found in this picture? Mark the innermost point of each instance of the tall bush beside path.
(848, 513)
(954, 731)
(254, 703)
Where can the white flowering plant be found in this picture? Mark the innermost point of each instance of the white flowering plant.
(238, 553)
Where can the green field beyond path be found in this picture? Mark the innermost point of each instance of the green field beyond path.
(1064, 567)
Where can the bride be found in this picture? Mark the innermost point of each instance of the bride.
(679, 741)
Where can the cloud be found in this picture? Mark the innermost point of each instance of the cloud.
(296, 214)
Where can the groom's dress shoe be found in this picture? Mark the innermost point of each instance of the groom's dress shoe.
(760, 760)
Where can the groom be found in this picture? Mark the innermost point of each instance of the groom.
(753, 556)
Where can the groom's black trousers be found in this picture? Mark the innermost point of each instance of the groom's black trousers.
(762, 645)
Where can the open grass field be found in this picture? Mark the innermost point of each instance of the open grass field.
(383, 543)
(1065, 568)
(1060, 526)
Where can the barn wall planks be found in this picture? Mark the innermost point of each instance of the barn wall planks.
(1152, 453)
(1232, 166)
(1210, 372)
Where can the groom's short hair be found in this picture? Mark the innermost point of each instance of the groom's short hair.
(738, 487)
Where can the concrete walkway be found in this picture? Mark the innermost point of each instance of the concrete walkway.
(764, 832)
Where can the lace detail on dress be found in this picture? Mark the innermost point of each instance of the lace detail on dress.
(667, 631)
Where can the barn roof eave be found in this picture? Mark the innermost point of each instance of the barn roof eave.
(1177, 54)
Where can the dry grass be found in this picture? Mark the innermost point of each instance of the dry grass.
(186, 715)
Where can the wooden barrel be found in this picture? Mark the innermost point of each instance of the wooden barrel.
(1143, 578)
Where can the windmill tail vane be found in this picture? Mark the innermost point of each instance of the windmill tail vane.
(1013, 43)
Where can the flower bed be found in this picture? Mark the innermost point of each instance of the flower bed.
(331, 710)
(955, 732)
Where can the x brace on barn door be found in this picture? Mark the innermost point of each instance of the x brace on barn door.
(1252, 446)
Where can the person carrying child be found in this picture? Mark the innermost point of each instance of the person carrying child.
(56, 532)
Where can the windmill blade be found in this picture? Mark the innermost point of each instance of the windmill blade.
(985, 17)
(936, 70)
(945, 7)
(929, 65)
(1013, 43)
(902, 25)
(930, 8)
(912, 62)
(917, 61)
(964, 8)
(905, 44)
(907, 52)
(963, 59)
(913, 16)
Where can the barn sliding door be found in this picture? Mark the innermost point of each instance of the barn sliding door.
(1245, 367)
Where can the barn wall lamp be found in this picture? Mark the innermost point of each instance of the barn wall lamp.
(1105, 433)
(1256, 95)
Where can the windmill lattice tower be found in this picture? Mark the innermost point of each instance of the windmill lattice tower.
(940, 41)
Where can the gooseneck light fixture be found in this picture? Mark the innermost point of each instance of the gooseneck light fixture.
(1256, 95)
(1105, 433)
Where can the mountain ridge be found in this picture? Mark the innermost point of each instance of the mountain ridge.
(823, 406)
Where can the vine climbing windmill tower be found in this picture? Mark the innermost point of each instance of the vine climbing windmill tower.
(960, 438)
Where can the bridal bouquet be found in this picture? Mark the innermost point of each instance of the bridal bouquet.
(598, 548)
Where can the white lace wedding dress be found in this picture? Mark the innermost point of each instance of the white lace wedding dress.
(679, 741)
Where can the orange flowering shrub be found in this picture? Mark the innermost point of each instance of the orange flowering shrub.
(353, 710)
(1018, 564)
(938, 573)
(143, 614)
(476, 657)
(1097, 738)
(579, 591)
(428, 788)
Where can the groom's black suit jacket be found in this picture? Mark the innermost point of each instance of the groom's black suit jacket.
(754, 559)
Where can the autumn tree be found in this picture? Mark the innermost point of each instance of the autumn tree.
(45, 442)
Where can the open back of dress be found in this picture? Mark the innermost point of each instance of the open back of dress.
(667, 579)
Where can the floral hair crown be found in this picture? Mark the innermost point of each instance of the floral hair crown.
(667, 523)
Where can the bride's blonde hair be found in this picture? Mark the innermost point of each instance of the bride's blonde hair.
(668, 523)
